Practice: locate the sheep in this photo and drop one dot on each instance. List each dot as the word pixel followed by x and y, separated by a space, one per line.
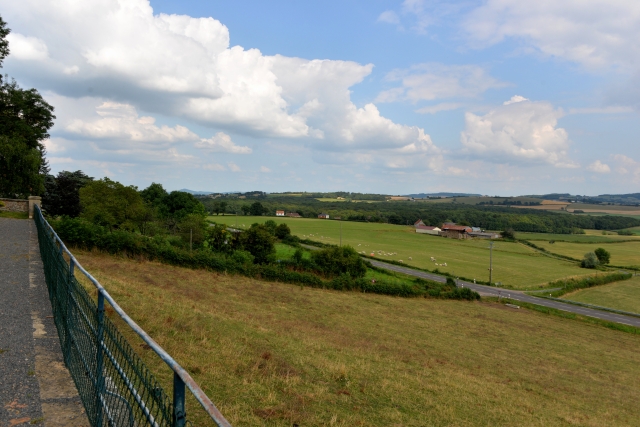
pixel 445 264
pixel 433 259
pixel 400 260
pixel 410 259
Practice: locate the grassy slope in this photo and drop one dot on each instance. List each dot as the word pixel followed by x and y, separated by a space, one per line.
pixel 14 215
pixel 627 253
pixel 273 354
pixel 623 296
pixel 514 265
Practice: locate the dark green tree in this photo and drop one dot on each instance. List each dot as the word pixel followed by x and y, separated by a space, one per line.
pixel 604 257
pixel 260 243
pixel 25 120
pixel 257 209
pixel 179 204
pixel 62 193
pixel 154 194
pixel 282 231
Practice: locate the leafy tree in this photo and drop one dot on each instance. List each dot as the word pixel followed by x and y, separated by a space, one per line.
pixel 257 209
pixel 25 120
pixel 271 225
pixel 604 257
pixel 282 231
pixel 590 260
pixel 246 209
pixel 219 207
pixel 192 228
pixel 62 193
pixel 219 239
pixel 178 204
pixel 260 243
pixel 154 194
pixel 110 204
pixel 334 261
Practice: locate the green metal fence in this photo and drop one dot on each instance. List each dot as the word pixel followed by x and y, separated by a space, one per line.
pixel 114 384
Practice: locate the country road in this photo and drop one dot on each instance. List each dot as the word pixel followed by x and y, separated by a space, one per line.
pixel 515 295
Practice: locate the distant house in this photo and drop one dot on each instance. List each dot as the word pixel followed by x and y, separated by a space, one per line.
pixel 279 213
pixel 294 215
pixel 455 231
pixel 323 216
pixel 426 229
pixel 476 229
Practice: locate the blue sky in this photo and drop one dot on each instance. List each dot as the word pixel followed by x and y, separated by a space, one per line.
pixel 491 97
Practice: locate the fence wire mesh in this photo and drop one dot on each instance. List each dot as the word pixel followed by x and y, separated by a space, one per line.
pixel 114 384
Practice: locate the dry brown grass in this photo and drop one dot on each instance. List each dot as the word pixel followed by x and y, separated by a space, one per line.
pixel 277 355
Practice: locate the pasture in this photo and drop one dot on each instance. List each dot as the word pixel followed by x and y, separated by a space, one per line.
pixel 514 265
pixel 271 354
pixel 622 253
pixel 623 295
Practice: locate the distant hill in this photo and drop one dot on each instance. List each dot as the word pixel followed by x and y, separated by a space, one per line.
pixel 623 199
pixel 197 193
pixel 425 195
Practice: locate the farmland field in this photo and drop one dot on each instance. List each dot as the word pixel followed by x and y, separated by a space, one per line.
pixel 591 236
pixel 623 253
pixel 514 265
pixel 273 354
pixel 623 295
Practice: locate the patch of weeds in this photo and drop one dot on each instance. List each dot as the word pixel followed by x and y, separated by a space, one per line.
pixel 37 420
pixel 3 350
pixel 31 372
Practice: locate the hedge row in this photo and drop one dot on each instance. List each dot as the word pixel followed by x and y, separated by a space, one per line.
pixel 570 285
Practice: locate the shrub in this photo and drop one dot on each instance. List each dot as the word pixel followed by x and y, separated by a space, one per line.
pixel 508 234
pixel 464 293
pixel 260 243
pixel 590 260
pixel 603 256
pixel 282 231
pixel 271 226
pixel 334 261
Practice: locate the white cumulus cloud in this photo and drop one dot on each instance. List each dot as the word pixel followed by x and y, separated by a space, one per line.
pixel 121 122
pixel 521 131
pixel 221 142
pixel 27 48
pixel 599 167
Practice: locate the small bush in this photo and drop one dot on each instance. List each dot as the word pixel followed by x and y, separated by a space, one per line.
pixel 334 261
pixel 282 231
pixel 590 260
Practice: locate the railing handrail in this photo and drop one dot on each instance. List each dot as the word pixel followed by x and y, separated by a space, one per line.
pixel 206 403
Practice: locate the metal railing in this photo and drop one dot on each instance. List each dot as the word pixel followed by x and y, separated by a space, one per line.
pixel 114 384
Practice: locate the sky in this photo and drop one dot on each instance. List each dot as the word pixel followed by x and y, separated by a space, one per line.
pixel 497 97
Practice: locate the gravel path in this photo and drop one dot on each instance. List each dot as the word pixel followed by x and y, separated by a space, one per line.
pixel 35 387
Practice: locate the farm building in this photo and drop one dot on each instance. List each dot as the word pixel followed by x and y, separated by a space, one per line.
pixel 483 235
pixel 426 229
pixel 323 216
pixel 279 213
pixel 294 215
pixel 455 231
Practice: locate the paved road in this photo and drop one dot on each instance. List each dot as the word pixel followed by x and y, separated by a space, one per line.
pixel 35 386
pixel 516 295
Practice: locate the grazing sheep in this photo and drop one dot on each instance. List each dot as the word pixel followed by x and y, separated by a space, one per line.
pixel 410 259
pixel 445 264
pixel 400 260
pixel 433 259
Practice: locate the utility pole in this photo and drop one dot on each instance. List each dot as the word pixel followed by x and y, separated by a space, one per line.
pixel 490 262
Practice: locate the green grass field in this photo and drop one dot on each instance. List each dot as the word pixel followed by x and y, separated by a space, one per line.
pixel 591 236
pixel 14 215
pixel 514 265
pixel 623 253
pixel 623 296
pixel 272 354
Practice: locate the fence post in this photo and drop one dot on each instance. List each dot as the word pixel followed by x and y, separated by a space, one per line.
pixel 179 412
pixel 99 361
